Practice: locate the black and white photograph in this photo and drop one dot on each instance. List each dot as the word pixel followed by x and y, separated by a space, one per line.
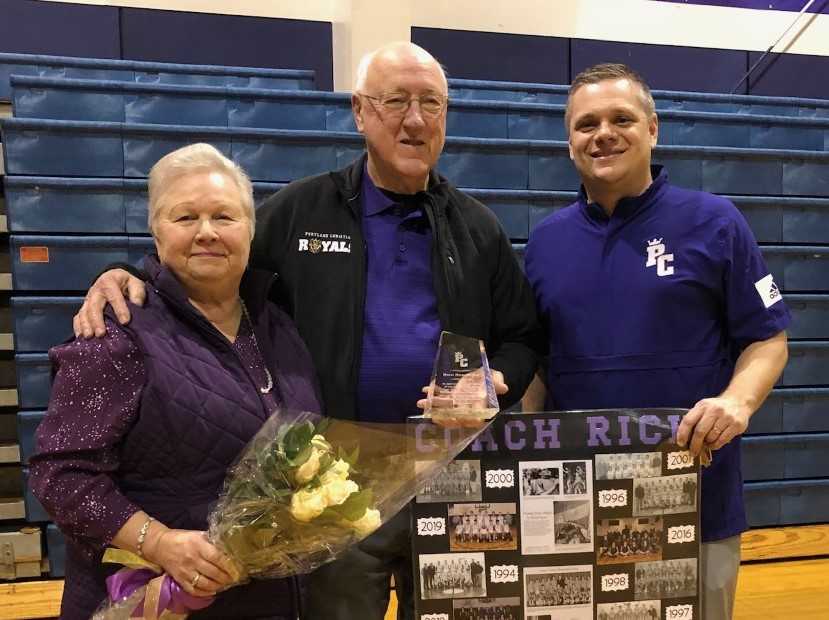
pixel 665 495
pixel 573 523
pixel 628 466
pixel 666 579
pixel 540 481
pixel 508 608
pixel 620 541
pixel 483 527
pixel 629 610
pixel 459 482
pixel 452 575
pixel 560 591
pixel 574 474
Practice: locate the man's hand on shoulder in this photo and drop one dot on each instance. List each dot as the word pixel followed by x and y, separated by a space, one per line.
pixel 109 288
pixel 713 422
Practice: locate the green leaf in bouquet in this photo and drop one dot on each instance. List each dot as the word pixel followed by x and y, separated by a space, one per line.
pixel 297 438
pixel 322 426
pixel 301 458
pixel 326 461
pixel 355 506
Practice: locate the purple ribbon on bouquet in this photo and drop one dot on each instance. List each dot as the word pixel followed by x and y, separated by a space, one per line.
pixel 163 593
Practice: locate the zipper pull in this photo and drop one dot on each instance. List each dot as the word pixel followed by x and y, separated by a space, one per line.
pixel 451 260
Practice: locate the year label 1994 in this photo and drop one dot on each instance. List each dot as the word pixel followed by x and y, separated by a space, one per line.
pixel 615 582
pixel 500 479
pixel 685 612
pixel 680 460
pixel 431 526
pixel 503 573
pixel 613 498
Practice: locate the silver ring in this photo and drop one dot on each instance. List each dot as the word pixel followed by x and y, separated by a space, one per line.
pixel 195 579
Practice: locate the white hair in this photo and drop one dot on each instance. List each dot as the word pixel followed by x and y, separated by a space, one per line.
pixel 390 49
pixel 199 157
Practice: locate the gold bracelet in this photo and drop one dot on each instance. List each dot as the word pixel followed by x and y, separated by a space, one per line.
pixel 142 534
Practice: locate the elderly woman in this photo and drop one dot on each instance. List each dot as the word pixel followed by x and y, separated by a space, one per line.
pixel 143 424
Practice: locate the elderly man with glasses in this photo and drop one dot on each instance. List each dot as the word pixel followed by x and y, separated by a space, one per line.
pixel 373 262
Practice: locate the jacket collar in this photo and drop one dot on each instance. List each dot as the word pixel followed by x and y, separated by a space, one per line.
pixel 349 183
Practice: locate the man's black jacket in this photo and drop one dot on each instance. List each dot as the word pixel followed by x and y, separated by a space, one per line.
pixel 310 234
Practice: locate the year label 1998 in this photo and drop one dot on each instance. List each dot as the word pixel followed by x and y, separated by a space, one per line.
pixel 615 582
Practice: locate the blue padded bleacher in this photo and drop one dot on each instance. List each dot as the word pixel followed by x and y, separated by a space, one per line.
pixel 34 379
pixel 152 72
pixel 80 148
pixel 785 457
pixel 786 502
pixel 27 423
pixel 117 206
pixel 77 190
pixel 71 261
pixel 90 100
pixel 800 410
pixel 664 99
pixel 56 551
pixel 42 322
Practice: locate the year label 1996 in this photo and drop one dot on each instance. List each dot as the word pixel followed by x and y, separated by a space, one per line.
pixel 613 498
pixel 500 479
pixel 615 582
pixel 685 612
pixel 680 460
pixel 504 573
pixel 680 534
pixel 431 526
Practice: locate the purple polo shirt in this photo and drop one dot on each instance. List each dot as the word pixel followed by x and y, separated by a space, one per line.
pixel 650 308
pixel 401 326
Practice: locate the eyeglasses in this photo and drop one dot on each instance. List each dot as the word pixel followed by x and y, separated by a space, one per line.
pixel 431 104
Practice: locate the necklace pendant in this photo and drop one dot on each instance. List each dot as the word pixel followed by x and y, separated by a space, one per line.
pixel 266 390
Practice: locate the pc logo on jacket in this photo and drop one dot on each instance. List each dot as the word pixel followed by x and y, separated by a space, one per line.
pixel 658 258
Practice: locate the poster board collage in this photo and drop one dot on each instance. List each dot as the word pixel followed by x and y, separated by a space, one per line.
pixel 562 516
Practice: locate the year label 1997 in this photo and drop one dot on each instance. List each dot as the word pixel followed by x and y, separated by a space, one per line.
pixel 500 479
pixel 503 573
pixel 613 498
pixel 680 460
pixel 431 526
pixel 615 582
pixel 683 612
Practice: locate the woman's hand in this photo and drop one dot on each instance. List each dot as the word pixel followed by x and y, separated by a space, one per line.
pixel 186 555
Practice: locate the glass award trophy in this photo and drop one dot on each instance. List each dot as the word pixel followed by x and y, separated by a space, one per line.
pixel 461 385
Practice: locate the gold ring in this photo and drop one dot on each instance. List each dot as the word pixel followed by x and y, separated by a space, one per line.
pixel 195 579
